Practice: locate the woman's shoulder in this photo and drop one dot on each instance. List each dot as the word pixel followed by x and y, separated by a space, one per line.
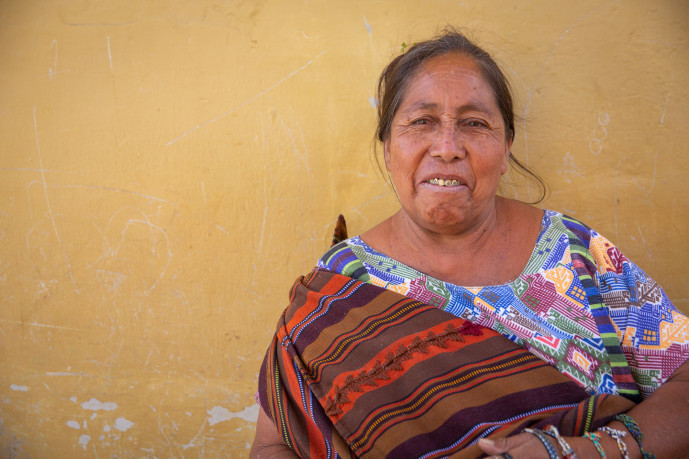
pixel 342 259
pixel 586 246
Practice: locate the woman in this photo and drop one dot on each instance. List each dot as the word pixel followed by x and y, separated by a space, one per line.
pixel 468 323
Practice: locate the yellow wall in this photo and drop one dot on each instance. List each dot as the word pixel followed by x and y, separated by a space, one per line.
pixel 168 168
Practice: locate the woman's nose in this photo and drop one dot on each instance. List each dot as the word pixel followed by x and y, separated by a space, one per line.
pixel 448 144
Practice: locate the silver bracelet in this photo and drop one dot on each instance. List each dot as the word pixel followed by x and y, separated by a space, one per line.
pixel 567 450
pixel 618 435
pixel 552 451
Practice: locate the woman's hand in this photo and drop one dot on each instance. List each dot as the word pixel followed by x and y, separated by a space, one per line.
pixel 526 445
pixel 523 445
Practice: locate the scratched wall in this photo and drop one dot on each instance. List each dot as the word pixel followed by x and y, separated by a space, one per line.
pixel 168 168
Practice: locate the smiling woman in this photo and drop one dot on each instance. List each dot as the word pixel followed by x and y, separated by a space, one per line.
pixel 447 128
pixel 468 323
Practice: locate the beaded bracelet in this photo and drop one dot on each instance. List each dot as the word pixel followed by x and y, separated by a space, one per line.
pixel 635 430
pixel 595 438
pixel 618 435
pixel 552 451
pixel 567 451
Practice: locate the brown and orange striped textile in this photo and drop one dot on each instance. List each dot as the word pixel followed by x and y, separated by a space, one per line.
pixel 355 370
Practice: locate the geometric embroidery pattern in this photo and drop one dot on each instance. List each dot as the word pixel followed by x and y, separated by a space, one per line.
pixel 546 309
pixel 582 361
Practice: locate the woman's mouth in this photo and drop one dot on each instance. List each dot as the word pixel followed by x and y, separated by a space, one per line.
pixel 442 182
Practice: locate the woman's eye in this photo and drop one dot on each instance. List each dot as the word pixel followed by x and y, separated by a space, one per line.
pixel 420 121
pixel 475 123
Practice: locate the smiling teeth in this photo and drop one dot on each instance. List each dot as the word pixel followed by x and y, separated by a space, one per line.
pixel 442 182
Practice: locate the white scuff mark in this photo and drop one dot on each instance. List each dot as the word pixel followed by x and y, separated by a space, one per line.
pixel 569 168
pixel 643 240
pixel 84 440
pixel 123 424
pixel 106 428
pixel 73 399
pixel 615 201
pixel 662 117
pixel 47 200
pixel 96 405
pixel 34 324
pixel 167 241
pixel 110 279
pixel 653 179
pixel 109 54
pixel 19 388
pixel 263 228
pixel 369 29
pixel 373 101
pixel 114 190
pixel 73 425
pixel 247 101
pixel 203 190
pixel 65 373
pixel 94 416
pixel 222 229
pixel 52 71
pixel 192 443
pixel 220 414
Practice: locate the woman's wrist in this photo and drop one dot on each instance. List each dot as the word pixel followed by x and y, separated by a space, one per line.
pixel 584 447
pixel 632 446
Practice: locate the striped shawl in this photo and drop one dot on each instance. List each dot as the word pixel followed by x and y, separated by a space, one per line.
pixel 355 370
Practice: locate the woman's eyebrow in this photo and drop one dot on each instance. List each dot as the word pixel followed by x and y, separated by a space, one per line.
pixel 421 106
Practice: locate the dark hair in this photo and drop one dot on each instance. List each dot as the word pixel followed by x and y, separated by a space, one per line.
pixel 396 77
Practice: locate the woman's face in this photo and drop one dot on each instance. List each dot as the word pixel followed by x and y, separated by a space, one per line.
pixel 447 147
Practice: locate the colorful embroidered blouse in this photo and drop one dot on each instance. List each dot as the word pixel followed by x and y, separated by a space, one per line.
pixel 579 304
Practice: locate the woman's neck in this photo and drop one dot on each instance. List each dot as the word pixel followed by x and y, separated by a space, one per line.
pixel 492 251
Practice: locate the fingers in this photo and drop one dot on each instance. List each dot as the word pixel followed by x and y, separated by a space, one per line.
pixel 523 445
pixel 502 456
pixel 503 445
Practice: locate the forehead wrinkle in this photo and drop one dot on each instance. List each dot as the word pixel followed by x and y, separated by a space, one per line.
pixel 448 75
pixel 472 106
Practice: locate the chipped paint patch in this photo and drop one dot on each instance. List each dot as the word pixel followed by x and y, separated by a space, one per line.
pixel 73 425
pixel 19 388
pixel 220 414
pixel 122 424
pixel 84 440
pixel 96 405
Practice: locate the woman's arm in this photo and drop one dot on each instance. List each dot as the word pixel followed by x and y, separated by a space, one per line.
pixel 664 416
pixel 663 419
pixel 267 442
